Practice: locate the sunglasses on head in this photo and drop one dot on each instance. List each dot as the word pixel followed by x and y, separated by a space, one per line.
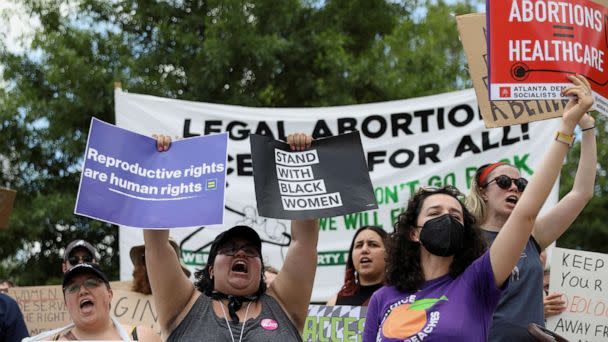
pixel 90 283
pixel 230 249
pixel 504 182
pixel 74 260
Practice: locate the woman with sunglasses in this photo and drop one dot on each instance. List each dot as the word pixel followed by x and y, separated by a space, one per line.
pixel 496 193
pixel 441 284
pixel 229 300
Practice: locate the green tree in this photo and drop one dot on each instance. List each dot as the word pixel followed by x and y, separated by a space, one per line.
pixel 590 229
pixel 253 53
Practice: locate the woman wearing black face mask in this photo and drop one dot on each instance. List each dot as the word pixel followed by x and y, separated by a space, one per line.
pixel 495 192
pixel 441 286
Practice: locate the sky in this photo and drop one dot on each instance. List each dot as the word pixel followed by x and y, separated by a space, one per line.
pixel 13 23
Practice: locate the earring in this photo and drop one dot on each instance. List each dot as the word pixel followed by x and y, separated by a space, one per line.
pixel 356 277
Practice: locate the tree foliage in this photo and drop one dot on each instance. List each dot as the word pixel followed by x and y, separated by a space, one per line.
pixel 590 230
pixel 253 53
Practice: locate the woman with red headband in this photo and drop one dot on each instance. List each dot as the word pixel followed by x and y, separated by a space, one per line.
pixel 494 195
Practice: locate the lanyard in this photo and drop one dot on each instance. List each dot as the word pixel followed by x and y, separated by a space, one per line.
pixel 228 324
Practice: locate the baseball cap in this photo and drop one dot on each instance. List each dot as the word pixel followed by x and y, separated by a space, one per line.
pixel 244 232
pixel 84 268
pixel 79 244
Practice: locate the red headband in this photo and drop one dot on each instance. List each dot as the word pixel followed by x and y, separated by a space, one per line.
pixel 487 170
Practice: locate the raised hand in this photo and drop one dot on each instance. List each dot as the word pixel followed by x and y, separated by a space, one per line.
pixel 581 99
pixel 163 142
pixel 299 141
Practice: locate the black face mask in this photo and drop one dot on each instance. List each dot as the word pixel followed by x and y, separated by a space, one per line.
pixel 442 236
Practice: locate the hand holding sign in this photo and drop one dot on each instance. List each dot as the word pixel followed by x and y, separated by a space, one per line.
pixel 580 95
pixel 299 141
pixel 126 181
pixel 310 183
pixel 554 304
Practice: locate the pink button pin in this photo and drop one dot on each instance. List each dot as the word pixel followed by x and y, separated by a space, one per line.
pixel 269 324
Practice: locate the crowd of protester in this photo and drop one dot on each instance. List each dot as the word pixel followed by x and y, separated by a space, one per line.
pixel 474 264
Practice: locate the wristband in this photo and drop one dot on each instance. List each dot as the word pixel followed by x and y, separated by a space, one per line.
pixel 586 129
pixel 567 139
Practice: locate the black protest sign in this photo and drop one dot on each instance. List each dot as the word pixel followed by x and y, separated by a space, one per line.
pixel 329 179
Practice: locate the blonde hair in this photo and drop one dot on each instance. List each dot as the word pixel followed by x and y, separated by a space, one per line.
pixel 475 203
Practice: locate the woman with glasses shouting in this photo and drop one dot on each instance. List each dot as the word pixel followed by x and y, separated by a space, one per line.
pixel 229 300
pixel 88 296
pixel 442 284
pixel 496 195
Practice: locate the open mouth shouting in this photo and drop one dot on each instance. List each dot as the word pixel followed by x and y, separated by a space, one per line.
pixel 512 200
pixel 239 267
pixel 86 306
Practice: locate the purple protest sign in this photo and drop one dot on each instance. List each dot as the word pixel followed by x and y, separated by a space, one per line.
pixel 126 181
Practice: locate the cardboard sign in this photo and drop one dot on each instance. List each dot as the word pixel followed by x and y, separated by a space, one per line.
pixel 472 30
pixel 134 308
pixel 334 323
pixel 43 308
pixel 126 181
pixel 535 44
pixel 7 199
pixel 583 279
pixel 327 180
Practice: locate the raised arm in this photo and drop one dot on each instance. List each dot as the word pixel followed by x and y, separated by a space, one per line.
pixel 558 219
pixel 293 285
pixel 171 289
pixel 512 238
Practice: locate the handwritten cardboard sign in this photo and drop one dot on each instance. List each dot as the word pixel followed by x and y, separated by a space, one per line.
pixel 44 308
pixel 583 279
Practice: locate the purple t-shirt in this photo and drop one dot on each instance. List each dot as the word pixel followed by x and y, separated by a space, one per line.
pixel 444 309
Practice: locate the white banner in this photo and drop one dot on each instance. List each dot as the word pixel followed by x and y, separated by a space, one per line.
pixel 433 140
pixel 583 279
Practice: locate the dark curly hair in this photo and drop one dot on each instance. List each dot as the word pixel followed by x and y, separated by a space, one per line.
pixel 351 287
pixel 404 270
pixel 204 283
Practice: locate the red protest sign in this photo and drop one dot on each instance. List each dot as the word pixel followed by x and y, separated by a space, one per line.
pixel 534 44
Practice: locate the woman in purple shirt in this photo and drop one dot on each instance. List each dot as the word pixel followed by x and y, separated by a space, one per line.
pixel 440 285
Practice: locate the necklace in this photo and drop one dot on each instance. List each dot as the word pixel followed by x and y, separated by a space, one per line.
pixel 228 324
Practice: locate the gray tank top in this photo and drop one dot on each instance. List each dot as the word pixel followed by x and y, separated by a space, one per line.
pixel 202 324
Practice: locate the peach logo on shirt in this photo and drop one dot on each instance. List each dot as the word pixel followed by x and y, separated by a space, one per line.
pixel 410 319
pixel 269 324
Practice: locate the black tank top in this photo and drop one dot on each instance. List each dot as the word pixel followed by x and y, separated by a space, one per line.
pixel 359 298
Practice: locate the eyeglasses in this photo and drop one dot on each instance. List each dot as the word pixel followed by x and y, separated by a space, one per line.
pixel 74 260
pixel 504 182
pixel 91 283
pixel 230 249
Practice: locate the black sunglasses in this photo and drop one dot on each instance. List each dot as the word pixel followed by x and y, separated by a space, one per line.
pixel 74 260
pixel 504 182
